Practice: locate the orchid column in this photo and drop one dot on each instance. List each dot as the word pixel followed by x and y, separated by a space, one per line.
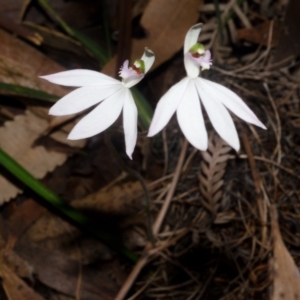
pixel 185 96
pixel 95 87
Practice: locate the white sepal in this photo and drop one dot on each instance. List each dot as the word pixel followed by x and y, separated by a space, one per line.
pixel 100 118
pixel 130 115
pixel 82 98
pixel 190 118
pixel 80 77
pixel 167 105
pixel 218 115
pixel 191 37
pixel 232 101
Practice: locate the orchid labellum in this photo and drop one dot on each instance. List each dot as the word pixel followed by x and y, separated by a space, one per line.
pixel 114 95
pixel 185 97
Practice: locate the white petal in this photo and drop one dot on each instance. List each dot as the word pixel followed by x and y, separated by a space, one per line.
pixel 167 105
pixel 190 118
pixel 82 98
pixel 100 118
pixel 192 69
pixel 148 58
pixel 130 115
pixel 218 115
pixel 130 82
pixel 191 37
pixel 79 78
pixel 232 101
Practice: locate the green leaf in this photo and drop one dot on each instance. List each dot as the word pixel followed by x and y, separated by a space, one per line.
pixel 27 92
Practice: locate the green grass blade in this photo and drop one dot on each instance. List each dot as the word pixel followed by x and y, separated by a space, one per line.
pixel 27 92
pixel 92 47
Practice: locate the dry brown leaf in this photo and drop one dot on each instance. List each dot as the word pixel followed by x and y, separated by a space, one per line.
pixel 55 234
pixel 21 219
pixel 260 34
pixel 57 271
pixel 120 202
pixel 115 199
pixel 11 8
pixel 60 297
pixel 286 285
pixel 16 264
pixel 139 7
pixel 16 138
pixel 117 205
pixel 212 170
pixel 166 24
pixel 15 288
pixel 21 64
pixel 49 227
pixel 12 267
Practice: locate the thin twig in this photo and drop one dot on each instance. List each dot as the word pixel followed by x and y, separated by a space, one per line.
pixel 259 198
pixel 278 127
pixel 290 171
pixel 164 209
pixel 132 277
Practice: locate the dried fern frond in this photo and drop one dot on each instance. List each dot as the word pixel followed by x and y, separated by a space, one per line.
pixel 213 168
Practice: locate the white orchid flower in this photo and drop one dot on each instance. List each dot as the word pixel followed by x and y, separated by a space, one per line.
pixel 185 96
pixel 95 87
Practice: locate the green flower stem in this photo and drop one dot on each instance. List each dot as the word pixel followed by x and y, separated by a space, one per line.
pixel 144 109
pixel 57 203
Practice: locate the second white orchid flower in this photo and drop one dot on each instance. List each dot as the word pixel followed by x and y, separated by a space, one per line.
pixel 95 87
pixel 184 97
